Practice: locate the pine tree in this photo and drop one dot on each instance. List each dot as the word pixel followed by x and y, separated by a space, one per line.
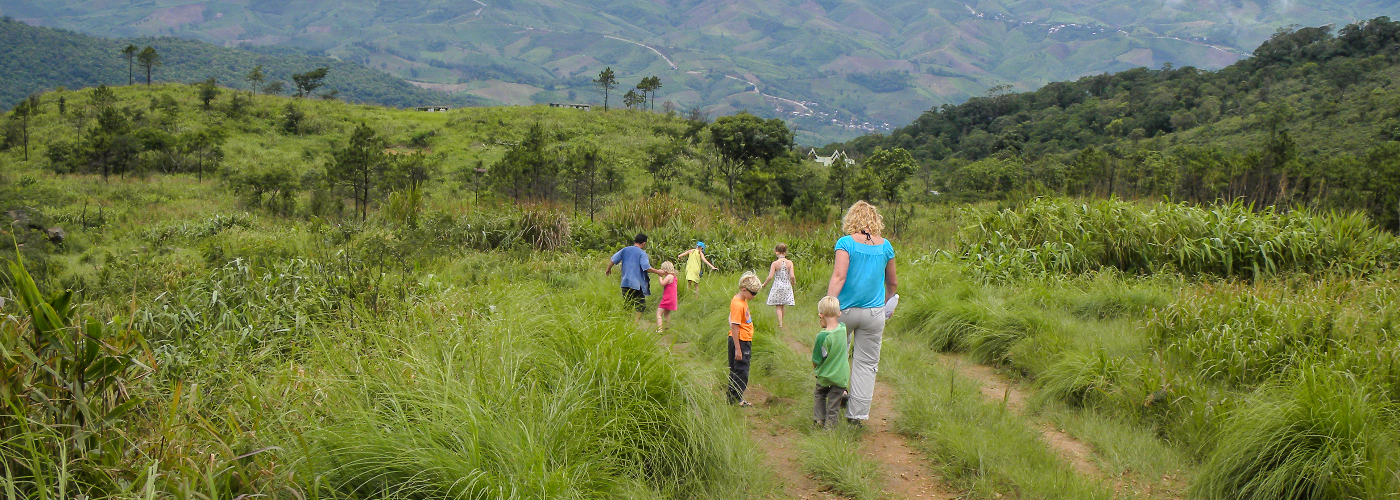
pixel 634 99
pixel 359 165
pixel 607 80
pixel 255 79
pixel 149 60
pixel 130 53
pixel 208 91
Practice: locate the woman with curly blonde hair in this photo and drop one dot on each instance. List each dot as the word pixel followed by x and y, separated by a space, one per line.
pixel 863 278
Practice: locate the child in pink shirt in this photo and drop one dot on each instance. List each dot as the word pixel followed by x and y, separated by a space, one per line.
pixel 669 280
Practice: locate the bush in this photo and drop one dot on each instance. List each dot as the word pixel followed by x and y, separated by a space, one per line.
pixel 1322 436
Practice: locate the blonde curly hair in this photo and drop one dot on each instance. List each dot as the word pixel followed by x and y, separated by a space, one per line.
pixel 862 216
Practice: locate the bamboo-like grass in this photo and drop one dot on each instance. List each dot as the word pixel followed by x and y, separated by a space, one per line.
pixel 1062 236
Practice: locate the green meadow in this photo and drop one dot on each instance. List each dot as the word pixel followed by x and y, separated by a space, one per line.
pixel 225 326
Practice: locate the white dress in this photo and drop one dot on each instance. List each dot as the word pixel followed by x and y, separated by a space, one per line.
pixel 781 293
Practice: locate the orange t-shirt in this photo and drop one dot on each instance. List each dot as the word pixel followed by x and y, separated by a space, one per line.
pixel 739 315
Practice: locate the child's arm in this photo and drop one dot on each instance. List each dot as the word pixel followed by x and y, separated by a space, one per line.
pixel 707 261
pixel 819 350
pixel 734 336
pixel 685 253
pixel 792 272
pixel 771 270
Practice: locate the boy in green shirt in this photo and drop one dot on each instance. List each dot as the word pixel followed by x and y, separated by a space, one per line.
pixel 830 362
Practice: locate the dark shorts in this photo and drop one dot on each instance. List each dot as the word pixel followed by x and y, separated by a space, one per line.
pixel 633 297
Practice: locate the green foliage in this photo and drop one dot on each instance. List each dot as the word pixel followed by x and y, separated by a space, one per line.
pixel 1060 236
pixel 893 167
pixel 529 170
pixel 37 59
pixel 67 388
pixel 360 166
pixel 882 81
pixel 607 80
pixel 981 446
pixel 803 56
pixel 309 81
pixel 1323 435
pixel 149 59
pixel 208 91
pixel 1257 131
pixel 834 458
pixel 587 408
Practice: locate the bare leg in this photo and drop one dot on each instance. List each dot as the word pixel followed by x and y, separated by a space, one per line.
pixel 695 286
pixel 779 309
pixel 660 325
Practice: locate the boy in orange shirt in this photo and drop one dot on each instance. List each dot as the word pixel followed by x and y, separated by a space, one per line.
pixel 741 337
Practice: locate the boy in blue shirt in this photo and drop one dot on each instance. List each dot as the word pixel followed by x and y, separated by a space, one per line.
pixel 830 363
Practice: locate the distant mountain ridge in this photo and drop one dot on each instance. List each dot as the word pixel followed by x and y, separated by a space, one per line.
pixel 833 68
pixel 34 59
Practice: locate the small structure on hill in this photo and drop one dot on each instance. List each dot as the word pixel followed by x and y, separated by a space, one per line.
pixel 433 108
pixel 570 105
pixel 826 161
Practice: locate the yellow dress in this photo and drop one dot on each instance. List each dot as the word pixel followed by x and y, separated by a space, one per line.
pixel 692 267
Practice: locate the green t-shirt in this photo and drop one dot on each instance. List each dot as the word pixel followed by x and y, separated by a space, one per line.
pixel 830 355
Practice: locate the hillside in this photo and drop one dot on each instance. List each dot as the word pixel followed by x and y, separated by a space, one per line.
pixel 833 68
pixel 207 308
pixel 34 59
pixel 1312 119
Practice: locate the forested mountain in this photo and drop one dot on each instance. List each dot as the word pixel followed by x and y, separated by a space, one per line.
pixel 34 59
pixel 832 68
pixel 1313 119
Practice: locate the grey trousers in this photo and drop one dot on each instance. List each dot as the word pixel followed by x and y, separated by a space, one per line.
pixel 866 326
pixel 826 404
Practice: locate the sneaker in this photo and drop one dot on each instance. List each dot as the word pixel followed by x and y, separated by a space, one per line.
pixel 855 422
pixel 745 403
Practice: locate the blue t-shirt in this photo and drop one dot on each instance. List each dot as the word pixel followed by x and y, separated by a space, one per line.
pixel 865 278
pixel 634 263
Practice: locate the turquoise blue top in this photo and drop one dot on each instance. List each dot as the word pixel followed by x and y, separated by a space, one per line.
pixel 865 278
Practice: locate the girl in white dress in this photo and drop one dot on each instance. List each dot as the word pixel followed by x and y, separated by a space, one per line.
pixel 781 275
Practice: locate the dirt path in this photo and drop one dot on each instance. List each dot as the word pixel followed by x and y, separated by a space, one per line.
pixel 1078 454
pixel 997 388
pixel 907 474
pixel 779 445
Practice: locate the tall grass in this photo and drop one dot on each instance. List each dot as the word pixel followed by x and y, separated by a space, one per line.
pixel 1061 236
pixel 1284 387
pixel 983 446
pixel 833 457
pixel 539 399
pixel 1319 435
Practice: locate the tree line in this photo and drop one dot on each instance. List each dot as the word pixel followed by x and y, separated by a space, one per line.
pixel 1312 119
pixel 35 59
pixel 642 96
pixel 748 162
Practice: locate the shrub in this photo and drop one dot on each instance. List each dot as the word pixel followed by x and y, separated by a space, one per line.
pixel 66 388
pixel 1323 436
